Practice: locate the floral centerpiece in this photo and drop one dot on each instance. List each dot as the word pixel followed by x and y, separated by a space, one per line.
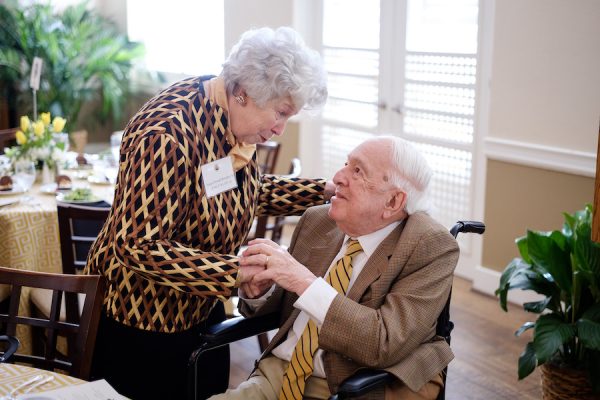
pixel 41 141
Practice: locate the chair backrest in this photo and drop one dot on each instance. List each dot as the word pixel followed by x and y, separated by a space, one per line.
pixel 274 225
pixel 78 227
pixel 92 286
pixel 266 156
pixel 8 137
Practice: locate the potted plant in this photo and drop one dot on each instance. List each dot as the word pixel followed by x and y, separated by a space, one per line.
pixel 84 59
pixel 564 267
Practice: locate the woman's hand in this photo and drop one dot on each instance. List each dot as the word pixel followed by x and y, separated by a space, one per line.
pixel 281 267
pixel 329 190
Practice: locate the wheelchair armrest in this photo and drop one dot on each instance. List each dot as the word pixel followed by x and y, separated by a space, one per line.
pixel 13 345
pixel 468 227
pixel 362 382
pixel 232 330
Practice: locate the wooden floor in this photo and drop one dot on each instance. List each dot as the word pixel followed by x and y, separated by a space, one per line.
pixel 486 350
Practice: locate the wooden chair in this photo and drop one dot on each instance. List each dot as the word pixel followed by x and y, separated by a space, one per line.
pixel 272 227
pixel 266 156
pixel 363 380
pixel 8 137
pixel 78 227
pixel 92 286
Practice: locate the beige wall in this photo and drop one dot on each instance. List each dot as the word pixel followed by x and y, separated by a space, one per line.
pixel 518 198
pixel 241 15
pixel 544 91
pixel 545 85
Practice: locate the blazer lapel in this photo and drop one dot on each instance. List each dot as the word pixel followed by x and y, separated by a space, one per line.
pixel 318 262
pixel 376 264
pixel 321 256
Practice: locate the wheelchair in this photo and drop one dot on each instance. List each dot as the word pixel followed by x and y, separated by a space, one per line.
pixel 362 381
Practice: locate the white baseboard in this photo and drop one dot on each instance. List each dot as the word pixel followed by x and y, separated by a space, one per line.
pixel 486 281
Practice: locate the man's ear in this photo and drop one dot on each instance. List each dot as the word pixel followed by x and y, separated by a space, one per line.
pixel 395 203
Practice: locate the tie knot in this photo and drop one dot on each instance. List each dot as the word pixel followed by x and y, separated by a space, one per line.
pixel 353 247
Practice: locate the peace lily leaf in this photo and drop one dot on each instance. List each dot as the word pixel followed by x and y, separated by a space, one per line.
pixel 589 333
pixel 537 306
pixel 560 240
pixel 593 313
pixel 522 246
pixel 587 253
pixel 526 326
pixel 550 333
pixel 527 361
pixel 546 253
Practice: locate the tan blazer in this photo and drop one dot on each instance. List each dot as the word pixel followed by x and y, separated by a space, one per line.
pixel 388 319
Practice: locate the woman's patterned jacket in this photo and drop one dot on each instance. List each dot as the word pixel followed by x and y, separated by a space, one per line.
pixel 166 250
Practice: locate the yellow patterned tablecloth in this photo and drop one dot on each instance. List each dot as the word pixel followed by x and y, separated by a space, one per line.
pixel 12 376
pixel 29 240
pixel 29 234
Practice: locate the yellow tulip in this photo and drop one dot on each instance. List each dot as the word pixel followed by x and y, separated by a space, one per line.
pixel 24 123
pixel 21 138
pixel 46 118
pixel 38 128
pixel 59 124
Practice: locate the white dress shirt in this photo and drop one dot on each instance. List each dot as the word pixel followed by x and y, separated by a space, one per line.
pixel 314 303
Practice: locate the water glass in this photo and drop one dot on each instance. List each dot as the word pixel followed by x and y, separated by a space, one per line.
pixel 63 138
pixel 115 145
pixel 24 174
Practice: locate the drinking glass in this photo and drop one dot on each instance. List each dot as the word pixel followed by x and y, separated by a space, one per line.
pixel 24 174
pixel 115 145
pixel 63 138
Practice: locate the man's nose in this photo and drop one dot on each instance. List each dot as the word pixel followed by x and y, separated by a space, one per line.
pixel 339 177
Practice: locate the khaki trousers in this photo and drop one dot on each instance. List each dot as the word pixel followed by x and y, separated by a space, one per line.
pixel 266 381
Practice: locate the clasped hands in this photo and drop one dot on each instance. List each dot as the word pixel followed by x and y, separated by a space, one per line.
pixel 265 262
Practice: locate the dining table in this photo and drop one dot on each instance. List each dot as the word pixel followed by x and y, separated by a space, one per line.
pixel 29 237
pixel 14 375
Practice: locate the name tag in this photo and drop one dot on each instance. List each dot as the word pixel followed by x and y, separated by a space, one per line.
pixel 218 177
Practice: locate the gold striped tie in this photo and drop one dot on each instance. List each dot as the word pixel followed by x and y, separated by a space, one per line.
pixel 301 364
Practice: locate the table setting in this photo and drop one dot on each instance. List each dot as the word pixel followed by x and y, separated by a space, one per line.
pixel 29 236
pixel 19 382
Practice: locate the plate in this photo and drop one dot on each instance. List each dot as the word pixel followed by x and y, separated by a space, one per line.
pixel 51 188
pixel 99 180
pixel 15 190
pixel 48 188
pixel 92 200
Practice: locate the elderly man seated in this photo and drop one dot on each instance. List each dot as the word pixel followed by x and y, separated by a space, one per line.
pixel 362 285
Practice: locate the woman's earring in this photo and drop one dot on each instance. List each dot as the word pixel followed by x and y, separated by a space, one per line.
pixel 240 99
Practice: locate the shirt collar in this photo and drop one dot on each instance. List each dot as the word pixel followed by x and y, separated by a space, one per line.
pixel 371 241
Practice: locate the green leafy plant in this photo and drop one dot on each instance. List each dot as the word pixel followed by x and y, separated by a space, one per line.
pixel 84 56
pixel 564 267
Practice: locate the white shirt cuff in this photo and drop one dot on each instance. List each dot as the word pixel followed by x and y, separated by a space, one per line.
pixel 316 300
pixel 257 302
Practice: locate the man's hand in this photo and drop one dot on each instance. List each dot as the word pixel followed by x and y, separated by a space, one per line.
pixel 282 268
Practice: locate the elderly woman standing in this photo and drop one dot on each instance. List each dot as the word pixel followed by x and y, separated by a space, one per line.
pixel 187 192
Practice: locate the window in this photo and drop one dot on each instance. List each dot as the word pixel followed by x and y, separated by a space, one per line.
pixel 405 68
pixel 187 37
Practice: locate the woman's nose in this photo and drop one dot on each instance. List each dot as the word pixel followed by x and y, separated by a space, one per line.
pixel 278 128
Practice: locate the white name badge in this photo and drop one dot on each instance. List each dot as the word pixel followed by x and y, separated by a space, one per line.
pixel 218 176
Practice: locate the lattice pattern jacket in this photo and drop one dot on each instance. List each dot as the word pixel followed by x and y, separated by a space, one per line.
pixel 166 250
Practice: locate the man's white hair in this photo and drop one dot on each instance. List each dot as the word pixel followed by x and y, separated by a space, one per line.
pixel 410 173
